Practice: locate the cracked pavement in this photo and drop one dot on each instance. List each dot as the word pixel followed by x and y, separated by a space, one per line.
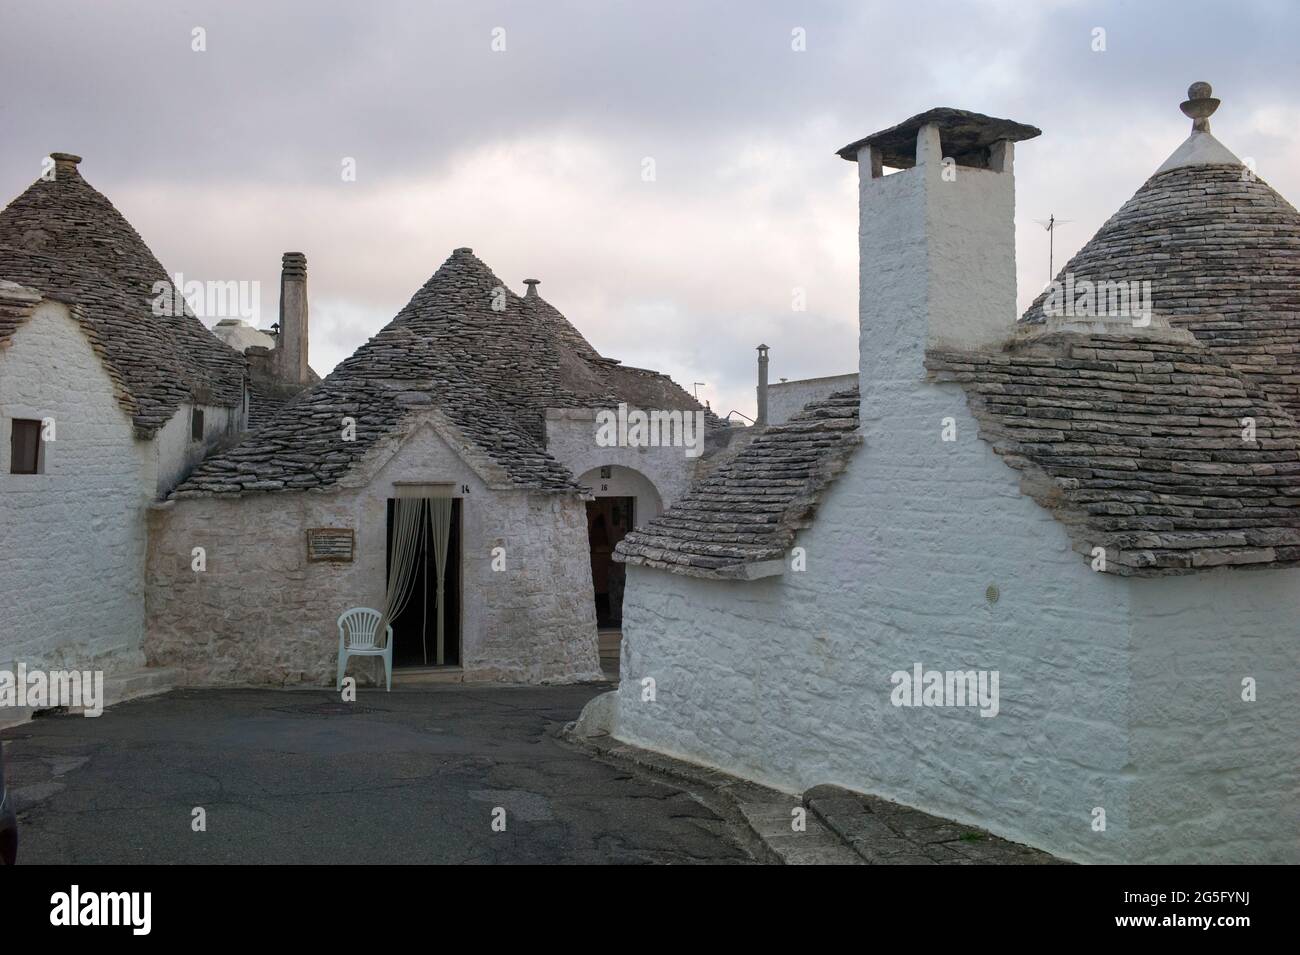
pixel 284 776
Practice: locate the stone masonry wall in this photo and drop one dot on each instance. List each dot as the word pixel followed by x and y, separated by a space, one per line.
pixel 72 540
pixel 263 614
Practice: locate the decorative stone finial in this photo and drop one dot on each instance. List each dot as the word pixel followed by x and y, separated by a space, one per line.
pixel 532 287
pixel 1199 105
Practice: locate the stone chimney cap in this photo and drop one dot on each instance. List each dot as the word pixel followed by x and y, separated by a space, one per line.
pixel 65 159
pixel 294 263
pixel 463 249
pixel 966 137
pixel 1199 105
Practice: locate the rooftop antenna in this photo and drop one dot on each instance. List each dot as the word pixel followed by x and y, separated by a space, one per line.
pixel 1050 224
pixel 697 385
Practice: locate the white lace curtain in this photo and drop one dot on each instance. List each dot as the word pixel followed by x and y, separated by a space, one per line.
pixel 421 526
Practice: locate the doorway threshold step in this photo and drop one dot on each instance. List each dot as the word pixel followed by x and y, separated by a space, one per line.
pixel 423 676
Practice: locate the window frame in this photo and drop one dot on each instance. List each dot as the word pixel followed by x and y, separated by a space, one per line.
pixel 39 463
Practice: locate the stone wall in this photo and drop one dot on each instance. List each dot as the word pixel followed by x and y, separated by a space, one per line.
pixel 262 614
pixel 72 540
pixel 787 680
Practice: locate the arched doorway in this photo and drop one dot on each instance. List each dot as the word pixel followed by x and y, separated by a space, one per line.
pixel 625 498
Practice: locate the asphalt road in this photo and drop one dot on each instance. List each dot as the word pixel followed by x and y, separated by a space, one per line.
pixel 289 776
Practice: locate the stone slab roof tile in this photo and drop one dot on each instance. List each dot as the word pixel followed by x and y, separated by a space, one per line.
pixel 1139 446
pixel 1221 250
pixel 747 511
pixel 67 241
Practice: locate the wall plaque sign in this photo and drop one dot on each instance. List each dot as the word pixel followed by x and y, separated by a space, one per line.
pixel 330 544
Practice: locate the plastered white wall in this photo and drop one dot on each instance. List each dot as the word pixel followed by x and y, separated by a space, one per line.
pixel 72 540
pixel 262 614
pixel 787 679
pixel 1217 777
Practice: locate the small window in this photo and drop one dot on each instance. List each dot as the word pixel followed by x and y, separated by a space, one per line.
pixel 196 425
pixel 25 447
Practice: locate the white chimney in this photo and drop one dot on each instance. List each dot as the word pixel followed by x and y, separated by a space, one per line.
pixel 937 240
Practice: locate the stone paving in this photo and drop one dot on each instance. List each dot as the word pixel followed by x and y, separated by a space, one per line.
pixel 839 827
pixel 296 776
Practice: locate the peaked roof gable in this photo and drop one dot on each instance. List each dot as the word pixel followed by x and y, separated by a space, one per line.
pixel 66 240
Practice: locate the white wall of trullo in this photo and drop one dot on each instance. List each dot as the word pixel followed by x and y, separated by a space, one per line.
pixel 1117 694
pixel 72 540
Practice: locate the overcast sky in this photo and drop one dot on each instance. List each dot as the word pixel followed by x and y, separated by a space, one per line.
pixel 225 158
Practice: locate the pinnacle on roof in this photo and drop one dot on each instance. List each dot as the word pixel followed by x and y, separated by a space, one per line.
pixel 1221 251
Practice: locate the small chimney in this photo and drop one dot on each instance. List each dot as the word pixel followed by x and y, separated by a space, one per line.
pixel 762 385
pixel 291 346
pixel 532 287
pixel 65 164
pixel 937 249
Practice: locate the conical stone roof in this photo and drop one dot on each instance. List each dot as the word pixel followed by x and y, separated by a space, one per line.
pixel 1221 250
pixel 65 239
pixel 492 361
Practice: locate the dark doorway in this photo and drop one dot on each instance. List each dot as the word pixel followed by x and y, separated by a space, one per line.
pixel 608 521
pixel 415 629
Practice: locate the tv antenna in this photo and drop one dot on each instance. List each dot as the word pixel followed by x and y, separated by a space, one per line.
pixel 1050 224
pixel 697 388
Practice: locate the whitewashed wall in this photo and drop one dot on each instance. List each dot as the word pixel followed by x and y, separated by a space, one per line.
pixel 72 540
pixel 262 614
pixel 1217 776
pixel 787 679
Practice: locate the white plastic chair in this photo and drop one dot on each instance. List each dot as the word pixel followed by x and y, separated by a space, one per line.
pixel 357 631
